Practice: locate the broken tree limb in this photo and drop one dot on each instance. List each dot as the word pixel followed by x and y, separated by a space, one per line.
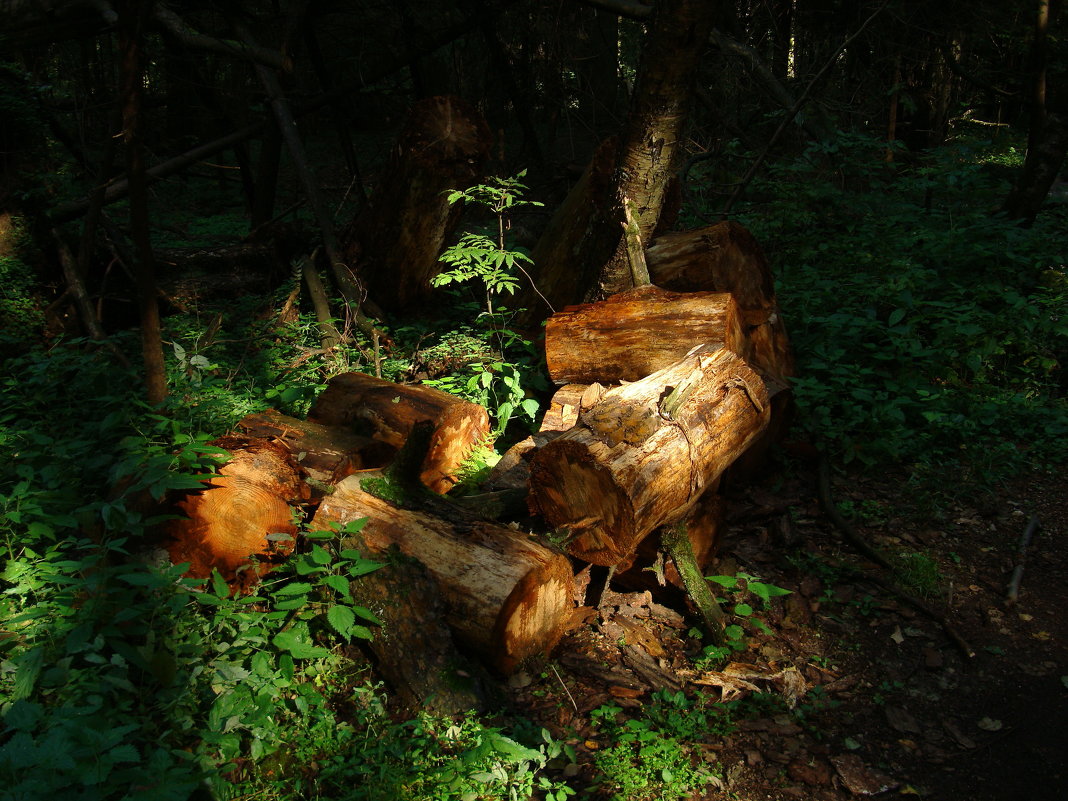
pixel 637 332
pixel 830 508
pixel 642 456
pixel 507 596
pixel 677 543
pixel 386 411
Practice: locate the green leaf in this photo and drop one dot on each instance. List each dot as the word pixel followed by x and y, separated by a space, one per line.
pixel 219 585
pixel 320 555
pixel 294 588
pixel 367 614
pixel 728 582
pixel 895 317
pixel 341 620
pixel 743 610
pixel 338 584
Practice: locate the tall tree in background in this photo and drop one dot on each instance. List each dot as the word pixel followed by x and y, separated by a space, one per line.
pixel 132 15
pixel 1047 139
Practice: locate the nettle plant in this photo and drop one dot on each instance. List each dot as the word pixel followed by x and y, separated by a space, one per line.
pixel 487 260
pixel 738 587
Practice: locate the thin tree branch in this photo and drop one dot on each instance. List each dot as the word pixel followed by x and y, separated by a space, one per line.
pixel 793 112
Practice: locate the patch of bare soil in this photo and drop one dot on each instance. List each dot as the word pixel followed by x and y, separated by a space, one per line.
pixel 869 696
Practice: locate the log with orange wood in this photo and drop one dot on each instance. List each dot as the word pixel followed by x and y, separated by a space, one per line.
pixel 644 454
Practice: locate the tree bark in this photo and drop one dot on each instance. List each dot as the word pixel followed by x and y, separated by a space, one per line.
pixel 635 333
pixel 327 453
pixel 131 39
pixel 413 650
pixel 580 225
pixel 646 452
pixel 726 258
pixel 386 411
pixel 399 238
pixel 507 597
pixel 676 38
pixel 226 525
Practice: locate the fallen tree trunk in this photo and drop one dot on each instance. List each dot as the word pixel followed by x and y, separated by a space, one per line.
pixel 646 452
pixel 727 258
pixel 413 649
pixel 507 597
pixel 637 332
pixel 228 522
pixel 386 411
pixel 327 453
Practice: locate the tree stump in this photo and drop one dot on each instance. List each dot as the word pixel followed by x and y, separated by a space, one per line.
pixel 397 241
pixel 646 452
pixel 228 522
pixel 363 404
pixel 507 597
pixel 637 332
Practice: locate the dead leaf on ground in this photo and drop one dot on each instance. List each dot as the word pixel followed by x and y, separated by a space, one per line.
pixel 858 778
pixel 901 720
pixel 738 678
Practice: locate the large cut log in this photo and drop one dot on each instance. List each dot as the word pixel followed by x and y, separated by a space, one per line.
pixel 413 649
pixel 725 257
pixel 226 525
pixel 507 597
pixel 386 411
pixel 646 452
pixel 327 453
pixel 650 567
pixel 637 332
pixel 397 241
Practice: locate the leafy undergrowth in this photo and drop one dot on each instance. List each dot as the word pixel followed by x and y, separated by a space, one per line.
pixel 929 336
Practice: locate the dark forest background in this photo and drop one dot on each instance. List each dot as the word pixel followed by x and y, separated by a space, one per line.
pixel 176 179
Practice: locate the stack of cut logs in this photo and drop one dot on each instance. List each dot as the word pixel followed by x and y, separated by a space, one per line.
pixel 662 389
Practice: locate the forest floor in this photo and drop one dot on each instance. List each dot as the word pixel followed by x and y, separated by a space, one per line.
pixel 890 705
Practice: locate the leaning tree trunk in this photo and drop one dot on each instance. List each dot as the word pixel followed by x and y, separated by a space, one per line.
pixel 670 58
pixel 582 255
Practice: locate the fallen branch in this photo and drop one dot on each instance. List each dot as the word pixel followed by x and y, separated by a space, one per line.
pixel 918 605
pixel 850 533
pixel 858 542
pixel 1021 557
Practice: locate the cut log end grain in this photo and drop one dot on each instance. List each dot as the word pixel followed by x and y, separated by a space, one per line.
pixel 226 525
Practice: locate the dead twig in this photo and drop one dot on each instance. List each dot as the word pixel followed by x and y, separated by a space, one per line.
pixel 1021 557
